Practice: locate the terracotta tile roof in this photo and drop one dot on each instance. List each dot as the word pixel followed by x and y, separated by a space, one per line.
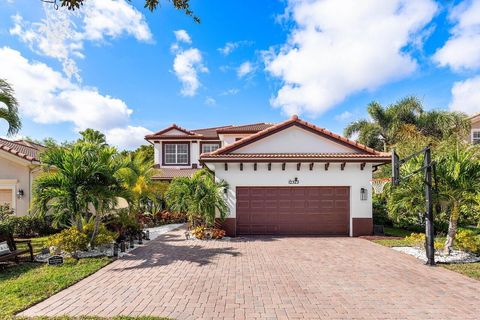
pixel 22 149
pixel 162 133
pixel 248 128
pixel 170 173
pixel 210 133
pixel 207 133
pixel 207 156
pixel 294 120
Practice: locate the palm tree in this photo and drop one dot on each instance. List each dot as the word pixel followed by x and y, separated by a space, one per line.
pixel 10 112
pixel 381 131
pixel 78 175
pixel 200 196
pixel 387 125
pixel 459 174
pixel 137 173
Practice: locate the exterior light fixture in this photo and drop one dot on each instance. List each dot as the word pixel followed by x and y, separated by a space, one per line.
pixel 363 194
pixel 140 237
pixel 122 246
pixel 147 235
pixel 20 194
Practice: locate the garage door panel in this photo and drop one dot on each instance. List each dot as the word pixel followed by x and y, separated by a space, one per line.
pixel 293 210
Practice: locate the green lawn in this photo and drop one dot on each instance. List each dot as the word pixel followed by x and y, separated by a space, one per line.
pixel 471 270
pixel 28 283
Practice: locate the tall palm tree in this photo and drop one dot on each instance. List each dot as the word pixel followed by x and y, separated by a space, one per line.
pixel 381 131
pixel 386 125
pixel 9 108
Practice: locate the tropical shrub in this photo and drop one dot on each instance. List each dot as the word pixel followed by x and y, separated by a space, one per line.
pixel 5 212
pixel 380 212
pixel 123 222
pixel 468 240
pixel 69 240
pixel 199 196
pixel 103 235
pixel 217 233
pixel 32 226
pixel 199 232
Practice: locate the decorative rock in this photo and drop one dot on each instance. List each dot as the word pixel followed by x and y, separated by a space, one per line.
pixel 456 256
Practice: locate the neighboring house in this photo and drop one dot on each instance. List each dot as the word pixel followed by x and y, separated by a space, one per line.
pixel 292 178
pixel 19 165
pixel 475 129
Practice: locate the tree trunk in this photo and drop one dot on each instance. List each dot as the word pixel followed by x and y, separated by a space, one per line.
pixel 96 224
pixel 452 228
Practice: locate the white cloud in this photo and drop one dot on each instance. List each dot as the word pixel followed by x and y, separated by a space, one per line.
pixel 346 115
pixel 245 69
pixel 186 65
pixel 209 101
pixel 230 92
pixel 47 97
pixel 229 47
pixel 466 96
pixel 127 138
pixel 182 36
pixel 62 33
pixel 462 50
pixel 338 48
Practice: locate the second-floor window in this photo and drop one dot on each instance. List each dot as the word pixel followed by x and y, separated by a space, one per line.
pixel 209 147
pixel 475 136
pixel 176 153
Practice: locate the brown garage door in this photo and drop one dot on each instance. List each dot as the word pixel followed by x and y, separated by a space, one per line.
pixel 293 210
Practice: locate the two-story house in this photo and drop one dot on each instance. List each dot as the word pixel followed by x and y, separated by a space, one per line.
pixel 177 150
pixel 286 178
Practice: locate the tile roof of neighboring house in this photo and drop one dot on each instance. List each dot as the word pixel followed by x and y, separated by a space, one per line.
pixel 294 120
pixel 475 117
pixel 170 173
pixel 22 149
pixel 207 133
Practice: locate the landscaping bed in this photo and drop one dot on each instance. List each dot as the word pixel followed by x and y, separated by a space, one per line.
pixel 401 240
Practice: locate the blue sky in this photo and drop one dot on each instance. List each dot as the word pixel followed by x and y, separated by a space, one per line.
pixel 126 71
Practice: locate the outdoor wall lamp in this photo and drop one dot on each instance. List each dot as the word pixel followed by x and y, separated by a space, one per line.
pixel 363 194
pixel 20 194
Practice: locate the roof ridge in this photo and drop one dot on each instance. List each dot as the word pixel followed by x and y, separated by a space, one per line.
pixel 294 119
pixel 219 127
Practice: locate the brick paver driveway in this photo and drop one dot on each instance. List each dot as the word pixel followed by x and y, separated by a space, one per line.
pixel 269 278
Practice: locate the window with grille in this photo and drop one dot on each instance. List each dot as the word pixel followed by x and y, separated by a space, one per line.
pixel 209 147
pixel 176 153
pixel 476 136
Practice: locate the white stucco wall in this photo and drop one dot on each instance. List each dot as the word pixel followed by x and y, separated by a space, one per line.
pixel 231 138
pixel 16 174
pixel 351 177
pixel 293 140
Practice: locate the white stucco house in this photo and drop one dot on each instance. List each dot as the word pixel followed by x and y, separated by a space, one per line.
pixel 290 178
